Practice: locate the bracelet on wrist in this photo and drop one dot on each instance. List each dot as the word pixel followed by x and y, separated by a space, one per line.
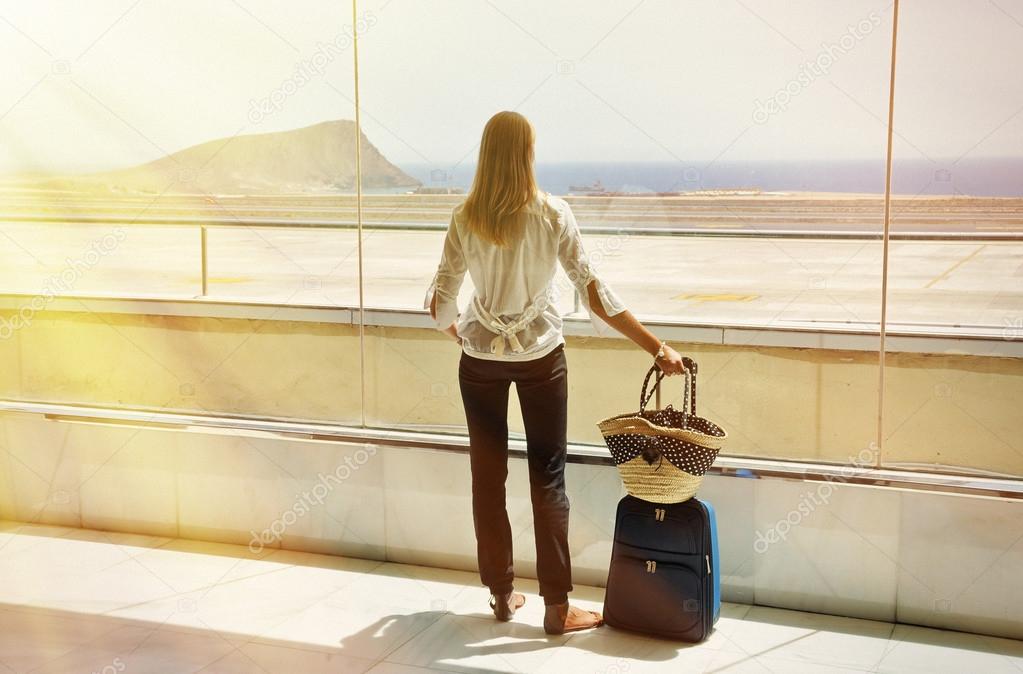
pixel 660 352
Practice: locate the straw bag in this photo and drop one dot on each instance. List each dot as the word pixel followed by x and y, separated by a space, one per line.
pixel 663 454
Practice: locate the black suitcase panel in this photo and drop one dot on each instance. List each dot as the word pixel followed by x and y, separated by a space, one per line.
pixel 642 530
pixel 661 594
pixel 660 578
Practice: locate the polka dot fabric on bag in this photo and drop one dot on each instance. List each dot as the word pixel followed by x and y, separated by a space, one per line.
pixel 662 455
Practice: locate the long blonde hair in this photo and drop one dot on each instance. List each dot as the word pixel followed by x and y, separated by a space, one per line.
pixel 504 182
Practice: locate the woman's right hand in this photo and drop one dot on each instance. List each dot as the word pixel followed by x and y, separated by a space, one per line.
pixel 671 362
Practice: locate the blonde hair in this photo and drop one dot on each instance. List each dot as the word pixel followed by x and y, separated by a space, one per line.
pixel 504 182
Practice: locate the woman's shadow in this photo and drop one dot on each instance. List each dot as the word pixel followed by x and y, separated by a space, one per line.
pixel 459 641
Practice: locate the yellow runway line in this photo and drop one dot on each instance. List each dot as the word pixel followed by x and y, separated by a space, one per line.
pixel 943 275
pixel 229 279
pixel 716 297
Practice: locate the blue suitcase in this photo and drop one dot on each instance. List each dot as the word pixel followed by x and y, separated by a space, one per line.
pixel 665 576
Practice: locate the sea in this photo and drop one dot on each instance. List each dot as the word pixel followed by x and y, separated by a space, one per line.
pixel 969 176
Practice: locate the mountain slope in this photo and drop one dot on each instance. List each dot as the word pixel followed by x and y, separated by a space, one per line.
pixel 314 159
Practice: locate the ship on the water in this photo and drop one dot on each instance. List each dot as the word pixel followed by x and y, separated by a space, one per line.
pixel 424 189
pixel 596 187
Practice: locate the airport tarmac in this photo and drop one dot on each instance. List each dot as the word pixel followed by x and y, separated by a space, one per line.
pixel 803 214
pixel 759 279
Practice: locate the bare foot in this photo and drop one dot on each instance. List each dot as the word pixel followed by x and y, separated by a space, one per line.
pixel 561 618
pixel 505 605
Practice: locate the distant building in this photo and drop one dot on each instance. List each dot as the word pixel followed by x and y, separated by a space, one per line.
pixel 422 189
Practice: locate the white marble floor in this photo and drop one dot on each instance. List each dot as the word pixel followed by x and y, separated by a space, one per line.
pixel 74 600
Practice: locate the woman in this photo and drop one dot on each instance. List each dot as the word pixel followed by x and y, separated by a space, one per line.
pixel 511 237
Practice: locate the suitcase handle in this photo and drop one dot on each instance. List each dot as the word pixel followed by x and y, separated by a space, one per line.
pixel 688 390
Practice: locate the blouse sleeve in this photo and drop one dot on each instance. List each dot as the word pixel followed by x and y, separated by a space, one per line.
pixel 448 279
pixel 580 272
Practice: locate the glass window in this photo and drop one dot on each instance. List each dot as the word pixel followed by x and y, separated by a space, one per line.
pixel 726 165
pixel 194 151
pixel 958 150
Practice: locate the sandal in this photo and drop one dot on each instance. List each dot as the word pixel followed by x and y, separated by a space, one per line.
pixel 505 605
pixel 557 619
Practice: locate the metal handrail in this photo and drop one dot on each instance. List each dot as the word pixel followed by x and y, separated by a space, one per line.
pixel 233 222
pixel 945 339
pixel 971 485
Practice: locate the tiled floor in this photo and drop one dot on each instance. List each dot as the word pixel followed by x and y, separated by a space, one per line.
pixel 73 600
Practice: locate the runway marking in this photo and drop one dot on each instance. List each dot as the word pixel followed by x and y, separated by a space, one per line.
pixel 943 275
pixel 718 297
pixel 228 279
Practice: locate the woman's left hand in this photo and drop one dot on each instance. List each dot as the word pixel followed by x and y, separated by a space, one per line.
pixel 671 363
pixel 452 331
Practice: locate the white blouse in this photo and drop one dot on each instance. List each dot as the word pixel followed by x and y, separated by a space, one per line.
pixel 513 314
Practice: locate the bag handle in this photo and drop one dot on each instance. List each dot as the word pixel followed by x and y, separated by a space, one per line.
pixel 644 398
pixel 688 391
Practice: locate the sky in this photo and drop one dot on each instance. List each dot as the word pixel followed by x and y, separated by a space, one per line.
pixel 112 83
